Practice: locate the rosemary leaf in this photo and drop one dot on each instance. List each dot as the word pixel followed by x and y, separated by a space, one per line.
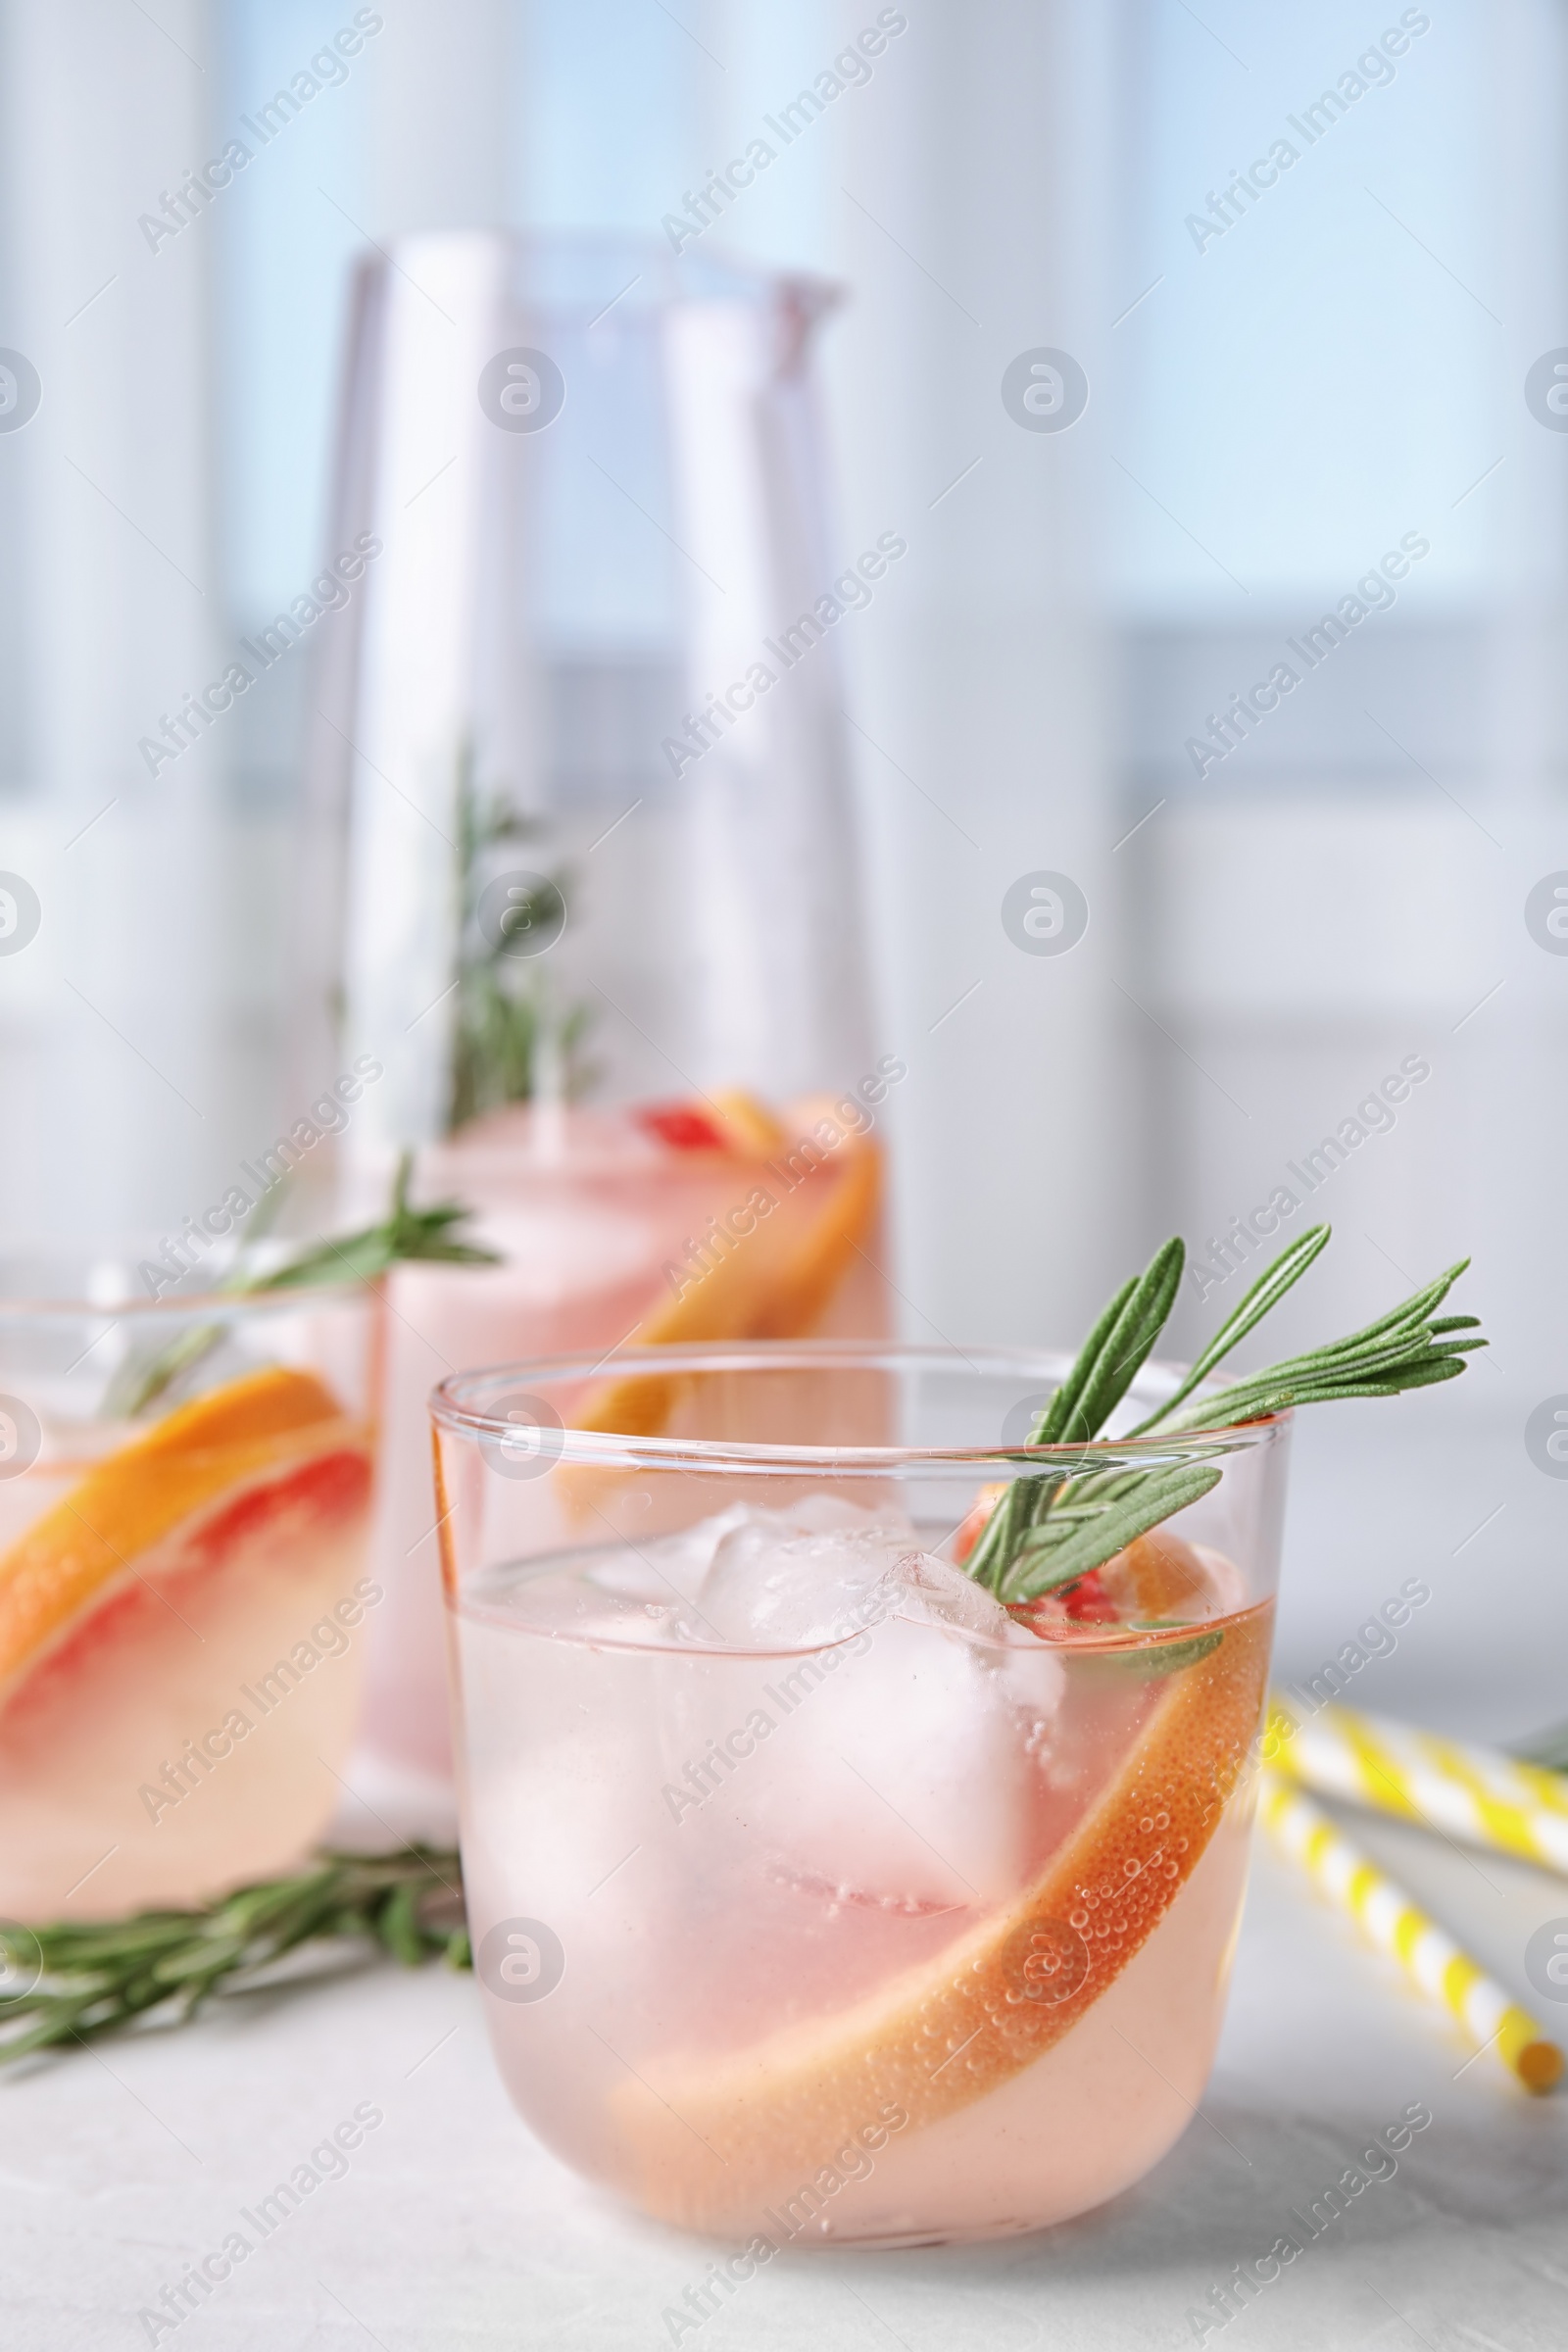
pixel 1044 1566
pixel 404 1234
pixel 1166 1657
pixel 1547 1749
pixel 81 1981
pixel 1266 1293
pixel 1027 1497
pixel 1105 1368
pixel 1129 1340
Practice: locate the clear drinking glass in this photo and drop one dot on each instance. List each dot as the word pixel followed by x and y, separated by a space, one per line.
pixel 814 1894
pixel 184 1493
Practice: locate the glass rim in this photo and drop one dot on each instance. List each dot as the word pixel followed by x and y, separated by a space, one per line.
pixel 452 1408
pixel 721 272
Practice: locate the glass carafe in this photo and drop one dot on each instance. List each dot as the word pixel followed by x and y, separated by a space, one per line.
pixel 582 875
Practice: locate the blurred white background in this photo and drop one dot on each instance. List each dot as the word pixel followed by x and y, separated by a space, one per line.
pixel 1341 368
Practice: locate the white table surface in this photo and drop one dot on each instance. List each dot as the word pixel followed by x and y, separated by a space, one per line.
pixel 453 2228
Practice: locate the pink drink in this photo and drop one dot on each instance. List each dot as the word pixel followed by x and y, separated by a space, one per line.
pixel 815 1896
pixel 179 1742
pixel 593 1215
pixel 183 1600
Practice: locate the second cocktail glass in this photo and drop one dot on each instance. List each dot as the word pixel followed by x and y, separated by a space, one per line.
pixel 185 1490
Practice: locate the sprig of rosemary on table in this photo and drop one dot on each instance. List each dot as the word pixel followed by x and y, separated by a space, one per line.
pixel 403 1234
pixel 1549 1748
pixel 81 1981
pixel 1049 1529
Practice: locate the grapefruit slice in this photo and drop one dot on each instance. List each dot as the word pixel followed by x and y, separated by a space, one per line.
pixel 200 1460
pixel 748 1126
pixel 174 1677
pixel 728 1121
pixel 711 2138
pixel 773 1280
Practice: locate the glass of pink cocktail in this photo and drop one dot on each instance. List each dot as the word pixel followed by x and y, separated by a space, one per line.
pixel 816 1894
pixel 185 1489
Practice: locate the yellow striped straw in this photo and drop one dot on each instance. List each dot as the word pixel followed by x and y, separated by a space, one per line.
pixel 1476 1793
pixel 1428 1953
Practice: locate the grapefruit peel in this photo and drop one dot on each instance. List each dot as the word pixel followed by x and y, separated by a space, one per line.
pixel 200 1460
pixel 717 2135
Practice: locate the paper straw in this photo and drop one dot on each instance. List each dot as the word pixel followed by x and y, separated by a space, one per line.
pixel 1425 1952
pixel 1472 1792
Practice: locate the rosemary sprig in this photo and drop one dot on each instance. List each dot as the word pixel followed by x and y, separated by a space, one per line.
pixel 1104 1369
pixel 404 1234
pixel 1547 1749
pixel 1051 1528
pixel 504 1019
pixel 84 1981
pixel 1056 1554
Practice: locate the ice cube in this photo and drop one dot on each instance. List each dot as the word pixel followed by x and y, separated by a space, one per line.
pixel 678 1564
pixel 929 1591
pixel 905 1778
pixel 890 1745
pixel 801 1577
